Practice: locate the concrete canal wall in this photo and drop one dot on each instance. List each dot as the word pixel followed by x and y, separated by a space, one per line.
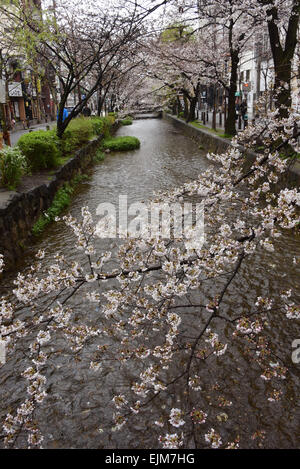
pixel 215 144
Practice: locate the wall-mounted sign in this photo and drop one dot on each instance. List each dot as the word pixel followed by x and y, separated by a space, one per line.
pixel 2 92
pixel 15 90
pixel 246 87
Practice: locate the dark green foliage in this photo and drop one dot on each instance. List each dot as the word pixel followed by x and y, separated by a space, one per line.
pixel 97 123
pixel 121 143
pixel 13 165
pixel 78 132
pixel 44 150
pixel 61 200
pixel 102 125
pixel 227 136
pixel 99 156
pixel 126 121
pixel 40 148
pixel 79 178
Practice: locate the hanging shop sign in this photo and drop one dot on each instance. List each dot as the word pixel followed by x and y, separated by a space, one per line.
pixel 15 90
pixel 2 92
pixel 38 85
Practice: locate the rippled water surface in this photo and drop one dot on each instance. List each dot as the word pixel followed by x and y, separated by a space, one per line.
pixel 76 407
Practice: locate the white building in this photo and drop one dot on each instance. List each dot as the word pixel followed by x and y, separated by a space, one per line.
pixel 256 73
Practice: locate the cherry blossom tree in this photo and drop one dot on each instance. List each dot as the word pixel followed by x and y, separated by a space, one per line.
pixel 178 63
pixel 166 316
pixel 238 24
pixel 165 321
pixel 225 28
pixel 283 21
pixel 81 44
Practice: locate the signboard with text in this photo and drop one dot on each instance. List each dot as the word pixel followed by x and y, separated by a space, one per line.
pixel 15 90
pixel 2 92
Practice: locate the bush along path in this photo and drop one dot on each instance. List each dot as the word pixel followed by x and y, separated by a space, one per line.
pixel 13 166
pixel 42 151
pixel 80 131
pixel 40 197
pixel 63 197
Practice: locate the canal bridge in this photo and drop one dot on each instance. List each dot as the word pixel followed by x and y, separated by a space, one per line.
pixel 145 113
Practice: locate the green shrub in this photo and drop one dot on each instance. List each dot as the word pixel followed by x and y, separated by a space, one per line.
pixel 97 123
pixel 126 121
pixel 99 156
pixel 226 136
pixel 13 165
pixel 79 178
pixel 78 132
pixel 102 125
pixel 62 199
pixel 41 149
pixel 109 120
pixel 121 143
pixel 113 114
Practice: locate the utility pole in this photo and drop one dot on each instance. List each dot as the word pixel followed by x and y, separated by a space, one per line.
pixel 259 52
pixel 2 101
pixel 214 117
pixel 4 127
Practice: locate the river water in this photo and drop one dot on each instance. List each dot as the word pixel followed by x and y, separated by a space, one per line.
pixel 76 407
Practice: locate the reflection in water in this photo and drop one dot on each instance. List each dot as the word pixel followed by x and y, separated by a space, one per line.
pixel 76 406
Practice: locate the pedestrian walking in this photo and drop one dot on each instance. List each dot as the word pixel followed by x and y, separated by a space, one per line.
pixel 65 114
pixel 86 111
pixel 244 113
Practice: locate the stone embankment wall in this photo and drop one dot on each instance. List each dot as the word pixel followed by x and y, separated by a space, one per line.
pixel 20 211
pixel 215 144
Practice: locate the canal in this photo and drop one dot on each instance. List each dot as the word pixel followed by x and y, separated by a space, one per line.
pixel 75 411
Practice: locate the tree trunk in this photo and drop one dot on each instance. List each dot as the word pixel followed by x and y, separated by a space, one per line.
pixel 231 112
pixel 283 98
pixel 186 107
pixel 282 57
pixel 179 107
pixel 100 105
pixel 192 110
